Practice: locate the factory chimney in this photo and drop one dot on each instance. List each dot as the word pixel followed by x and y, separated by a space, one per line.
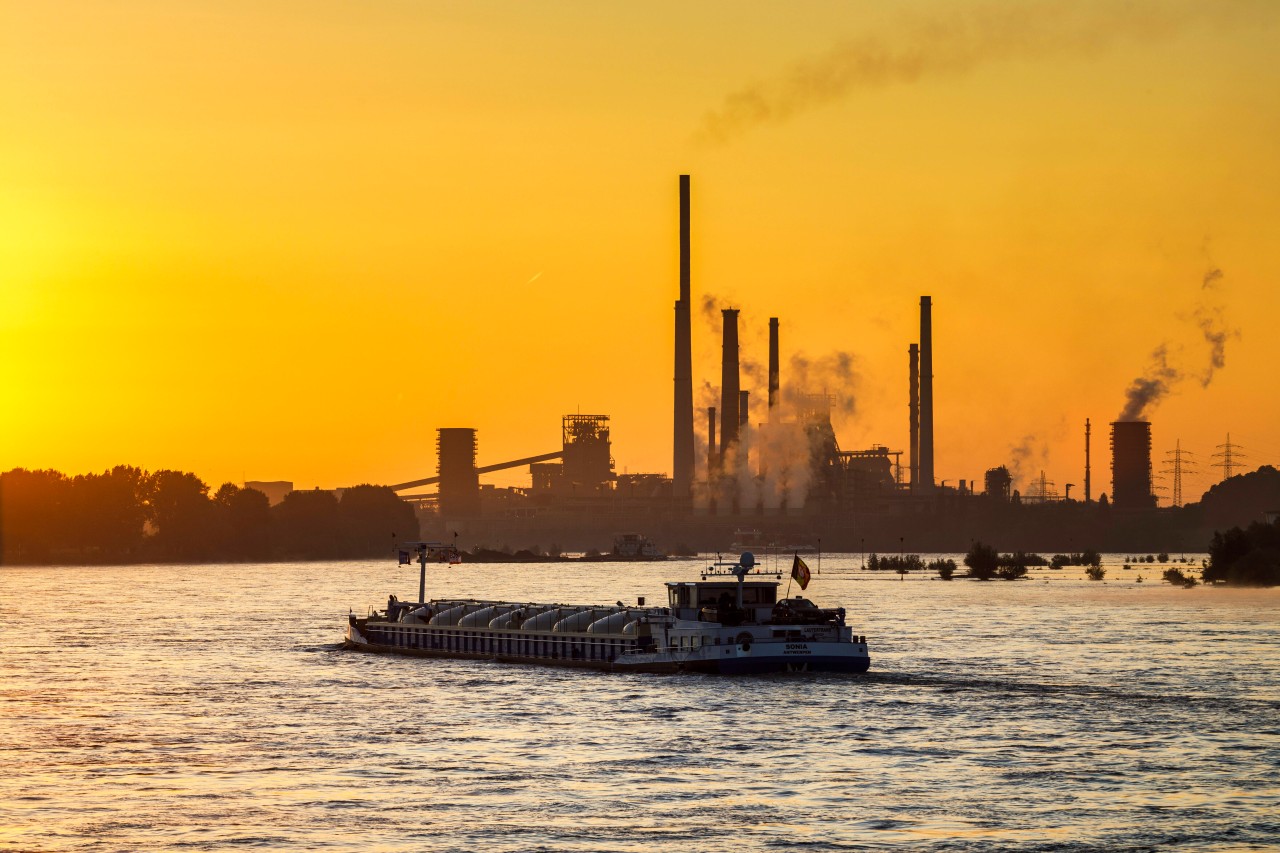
pixel 1086 461
pixel 926 394
pixel 743 396
pixel 730 400
pixel 773 366
pixel 682 449
pixel 713 460
pixel 913 406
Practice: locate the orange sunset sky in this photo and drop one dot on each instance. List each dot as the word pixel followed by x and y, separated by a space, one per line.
pixel 288 240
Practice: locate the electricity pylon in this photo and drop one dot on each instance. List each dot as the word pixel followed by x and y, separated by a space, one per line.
pixel 1181 461
pixel 1231 455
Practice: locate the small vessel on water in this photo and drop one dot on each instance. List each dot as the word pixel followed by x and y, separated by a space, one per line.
pixel 753 540
pixel 634 546
pixel 730 621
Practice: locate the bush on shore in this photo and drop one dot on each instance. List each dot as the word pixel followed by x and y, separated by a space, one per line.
pixel 1249 557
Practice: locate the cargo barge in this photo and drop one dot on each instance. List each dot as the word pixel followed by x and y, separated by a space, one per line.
pixel 730 621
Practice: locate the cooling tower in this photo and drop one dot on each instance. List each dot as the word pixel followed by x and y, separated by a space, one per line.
pixel 459 482
pixel 1131 465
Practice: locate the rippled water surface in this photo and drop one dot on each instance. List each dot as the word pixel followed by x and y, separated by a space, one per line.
pixel 209 707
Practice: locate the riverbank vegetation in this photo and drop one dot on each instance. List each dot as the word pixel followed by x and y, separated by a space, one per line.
pixel 1177 578
pixel 1245 557
pixel 902 564
pixel 1084 558
pixel 985 563
pixel 128 515
pixel 944 568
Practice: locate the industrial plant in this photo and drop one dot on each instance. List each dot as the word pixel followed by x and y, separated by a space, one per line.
pixel 777 471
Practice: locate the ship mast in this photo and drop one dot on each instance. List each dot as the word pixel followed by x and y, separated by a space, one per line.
pixel 746 565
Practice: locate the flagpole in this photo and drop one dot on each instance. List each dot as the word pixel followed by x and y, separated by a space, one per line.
pixel 819 555
pixel 422 574
pixel 790 576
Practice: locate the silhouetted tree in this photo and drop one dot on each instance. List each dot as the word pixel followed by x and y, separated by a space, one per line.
pixel 944 568
pixel 183 515
pixel 982 560
pixel 1249 557
pixel 1177 578
pixel 370 514
pixel 246 522
pixel 33 514
pixel 108 512
pixel 1011 572
pixel 308 525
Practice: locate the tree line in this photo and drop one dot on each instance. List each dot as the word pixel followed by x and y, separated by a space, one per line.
pixel 128 515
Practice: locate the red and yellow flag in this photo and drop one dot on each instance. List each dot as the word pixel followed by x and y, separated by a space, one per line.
pixel 800 572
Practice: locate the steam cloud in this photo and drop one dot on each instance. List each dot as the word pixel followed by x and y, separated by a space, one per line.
pixel 957 44
pixel 1162 375
pixel 1025 457
pixel 833 375
pixel 770 465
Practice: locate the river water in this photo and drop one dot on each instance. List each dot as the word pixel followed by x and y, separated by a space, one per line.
pixel 210 708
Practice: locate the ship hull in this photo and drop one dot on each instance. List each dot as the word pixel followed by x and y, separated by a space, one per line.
pixel 752 658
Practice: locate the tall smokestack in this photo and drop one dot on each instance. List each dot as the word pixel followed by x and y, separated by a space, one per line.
pixel 682 443
pixel 1086 461
pixel 913 406
pixel 742 409
pixel 713 459
pixel 730 400
pixel 773 366
pixel 926 393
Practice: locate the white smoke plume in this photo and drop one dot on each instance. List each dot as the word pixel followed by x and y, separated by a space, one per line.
pixel 1026 459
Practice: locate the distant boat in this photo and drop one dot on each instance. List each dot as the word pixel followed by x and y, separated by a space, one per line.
pixel 754 540
pixel 633 546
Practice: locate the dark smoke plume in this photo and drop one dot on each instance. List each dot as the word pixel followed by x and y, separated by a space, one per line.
pixel 958 43
pixel 711 313
pixel 1161 375
pixel 1209 317
pixel 1151 387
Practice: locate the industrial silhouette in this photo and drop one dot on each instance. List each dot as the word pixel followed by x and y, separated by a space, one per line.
pixel 784 472
pixel 782 476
